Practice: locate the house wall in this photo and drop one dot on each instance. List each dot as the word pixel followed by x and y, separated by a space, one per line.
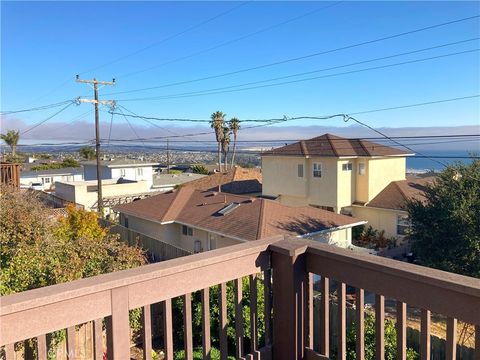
pixel 380 219
pixel 136 173
pixel 383 171
pixel 172 234
pixel 52 178
pixel 90 172
pixel 361 181
pixel 346 184
pixel 341 238
pixel 280 176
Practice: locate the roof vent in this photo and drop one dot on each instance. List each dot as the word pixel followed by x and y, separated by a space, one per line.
pixel 228 209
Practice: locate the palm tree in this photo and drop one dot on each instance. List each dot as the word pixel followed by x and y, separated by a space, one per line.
pixel 234 125
pixel 225 144
pixel 11 139
pixel 217 123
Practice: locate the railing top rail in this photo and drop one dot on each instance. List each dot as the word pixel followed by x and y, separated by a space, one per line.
pixel 443 279
pixel 60 292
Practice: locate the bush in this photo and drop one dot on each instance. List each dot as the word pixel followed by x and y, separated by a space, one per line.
pixel 200 169
pixel 198 354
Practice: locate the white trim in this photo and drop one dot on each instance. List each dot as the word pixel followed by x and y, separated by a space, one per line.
pixel 211 231
pixel 379 208
pixel 326 231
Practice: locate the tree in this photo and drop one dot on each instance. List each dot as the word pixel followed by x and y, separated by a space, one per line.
pixel 200 169
pixel 234 125
pixel 11 139
pixel 225 145
pixel 445 227
pixel 87 152
pixel 369 333
pixel 217 124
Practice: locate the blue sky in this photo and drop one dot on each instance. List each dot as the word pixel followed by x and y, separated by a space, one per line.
pixel 44 44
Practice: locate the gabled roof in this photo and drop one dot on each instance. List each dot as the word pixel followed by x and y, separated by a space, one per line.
pixel 235 181
pixel 395 195
pixel 253 219
pixel 329 145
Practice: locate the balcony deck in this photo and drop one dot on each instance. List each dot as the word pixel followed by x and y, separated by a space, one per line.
pixel 286 267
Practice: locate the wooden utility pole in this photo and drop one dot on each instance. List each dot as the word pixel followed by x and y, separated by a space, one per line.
pixel 95 83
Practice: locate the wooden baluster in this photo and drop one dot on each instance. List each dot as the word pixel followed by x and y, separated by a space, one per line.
pixel 223 321
pixel 379 327
pixel 71 343
pixel 360 323
pixel 187 323
pixel 167 329
pixel 324 341
pixel 309 322
pixel 477 342
pixel 451 339
pixel 98 339
pixel 238 318
pixel 147 332
pixel 253 313
pixel 42 347
pixel 9 351
pixel 206 343
pixel 425 335
pixel 401 327
pixel 120 324
pixel 267 292
pixel 341 321
pixel 108 328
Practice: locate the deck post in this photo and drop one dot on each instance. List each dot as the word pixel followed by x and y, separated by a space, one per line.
pixel 290 290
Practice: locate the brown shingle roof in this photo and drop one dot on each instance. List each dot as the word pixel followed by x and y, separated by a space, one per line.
pixel 254 219
pixel 397 193
pixel 334 146
pixel 235 181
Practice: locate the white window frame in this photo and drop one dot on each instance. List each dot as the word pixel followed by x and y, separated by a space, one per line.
pixel 122 172
pixel 187 230
pixel 347 166
pixel 361 168
pixel 403 225
pixel 139 171
pixel 317 170
pixel 300 170
pixel 46 180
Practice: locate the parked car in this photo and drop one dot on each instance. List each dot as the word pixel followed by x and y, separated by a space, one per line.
pixel 37 186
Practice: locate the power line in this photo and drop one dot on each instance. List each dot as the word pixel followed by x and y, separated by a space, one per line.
pixel 148 121
pixel 168 38
pixel 215 91
pixel 48 118
pixel 302 57
pixel 228 42
pixel 43 107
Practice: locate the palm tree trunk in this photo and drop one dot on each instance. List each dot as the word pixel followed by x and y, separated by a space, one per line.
pixel 234 149
pixel 14 150
pixel 219 158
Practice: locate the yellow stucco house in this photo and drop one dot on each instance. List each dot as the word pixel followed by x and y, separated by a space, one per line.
pixel 348 176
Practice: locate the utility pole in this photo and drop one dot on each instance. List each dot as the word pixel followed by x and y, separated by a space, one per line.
pixel 168 156
pixel 95 83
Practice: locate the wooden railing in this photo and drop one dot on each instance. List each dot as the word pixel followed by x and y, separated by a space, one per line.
pixel 285 266
pixel 10 174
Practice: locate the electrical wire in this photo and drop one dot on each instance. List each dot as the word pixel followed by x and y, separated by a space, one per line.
pixel 302 57
pixel 216 91
pixel 43 107
pixel 44 121
pixel 229 42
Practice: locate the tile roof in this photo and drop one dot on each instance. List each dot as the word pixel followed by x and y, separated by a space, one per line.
pixel 254 219
pixel 334 146
pixel 175 179
pixel 235 181
pixel 397 193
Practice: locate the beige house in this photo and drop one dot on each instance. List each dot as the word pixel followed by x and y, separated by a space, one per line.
pixel 197 220
pixel 336 174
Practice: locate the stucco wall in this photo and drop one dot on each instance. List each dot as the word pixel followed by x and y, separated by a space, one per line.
pixel 346 180
pixel 90 172
pixel 380 219
pixel 280 176
pixel 321 190
pixel 341 238
pixel 382 172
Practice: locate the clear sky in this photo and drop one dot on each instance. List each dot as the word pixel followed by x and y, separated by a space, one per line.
pixel 44 44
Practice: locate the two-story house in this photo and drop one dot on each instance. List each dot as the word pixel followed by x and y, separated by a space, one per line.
pixel 334 173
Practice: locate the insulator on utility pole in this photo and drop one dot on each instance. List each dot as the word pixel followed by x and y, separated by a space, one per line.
pixel 95 83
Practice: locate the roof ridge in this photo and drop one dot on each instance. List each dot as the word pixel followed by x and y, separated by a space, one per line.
pixel 331 144
pixel 173 213
pixel 260 228
pixel 304 148
pixel 360 141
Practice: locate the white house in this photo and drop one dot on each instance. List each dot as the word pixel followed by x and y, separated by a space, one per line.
pixel 120 168
pixel 48 177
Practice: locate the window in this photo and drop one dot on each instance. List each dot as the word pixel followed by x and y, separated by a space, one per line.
pixel 187 231
pixel 361 168
pixel 347 167
pixel 317 170
pixel 46 180
pixel 300 170
pixel 139 171
pixel 122 172
pixel 403 224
